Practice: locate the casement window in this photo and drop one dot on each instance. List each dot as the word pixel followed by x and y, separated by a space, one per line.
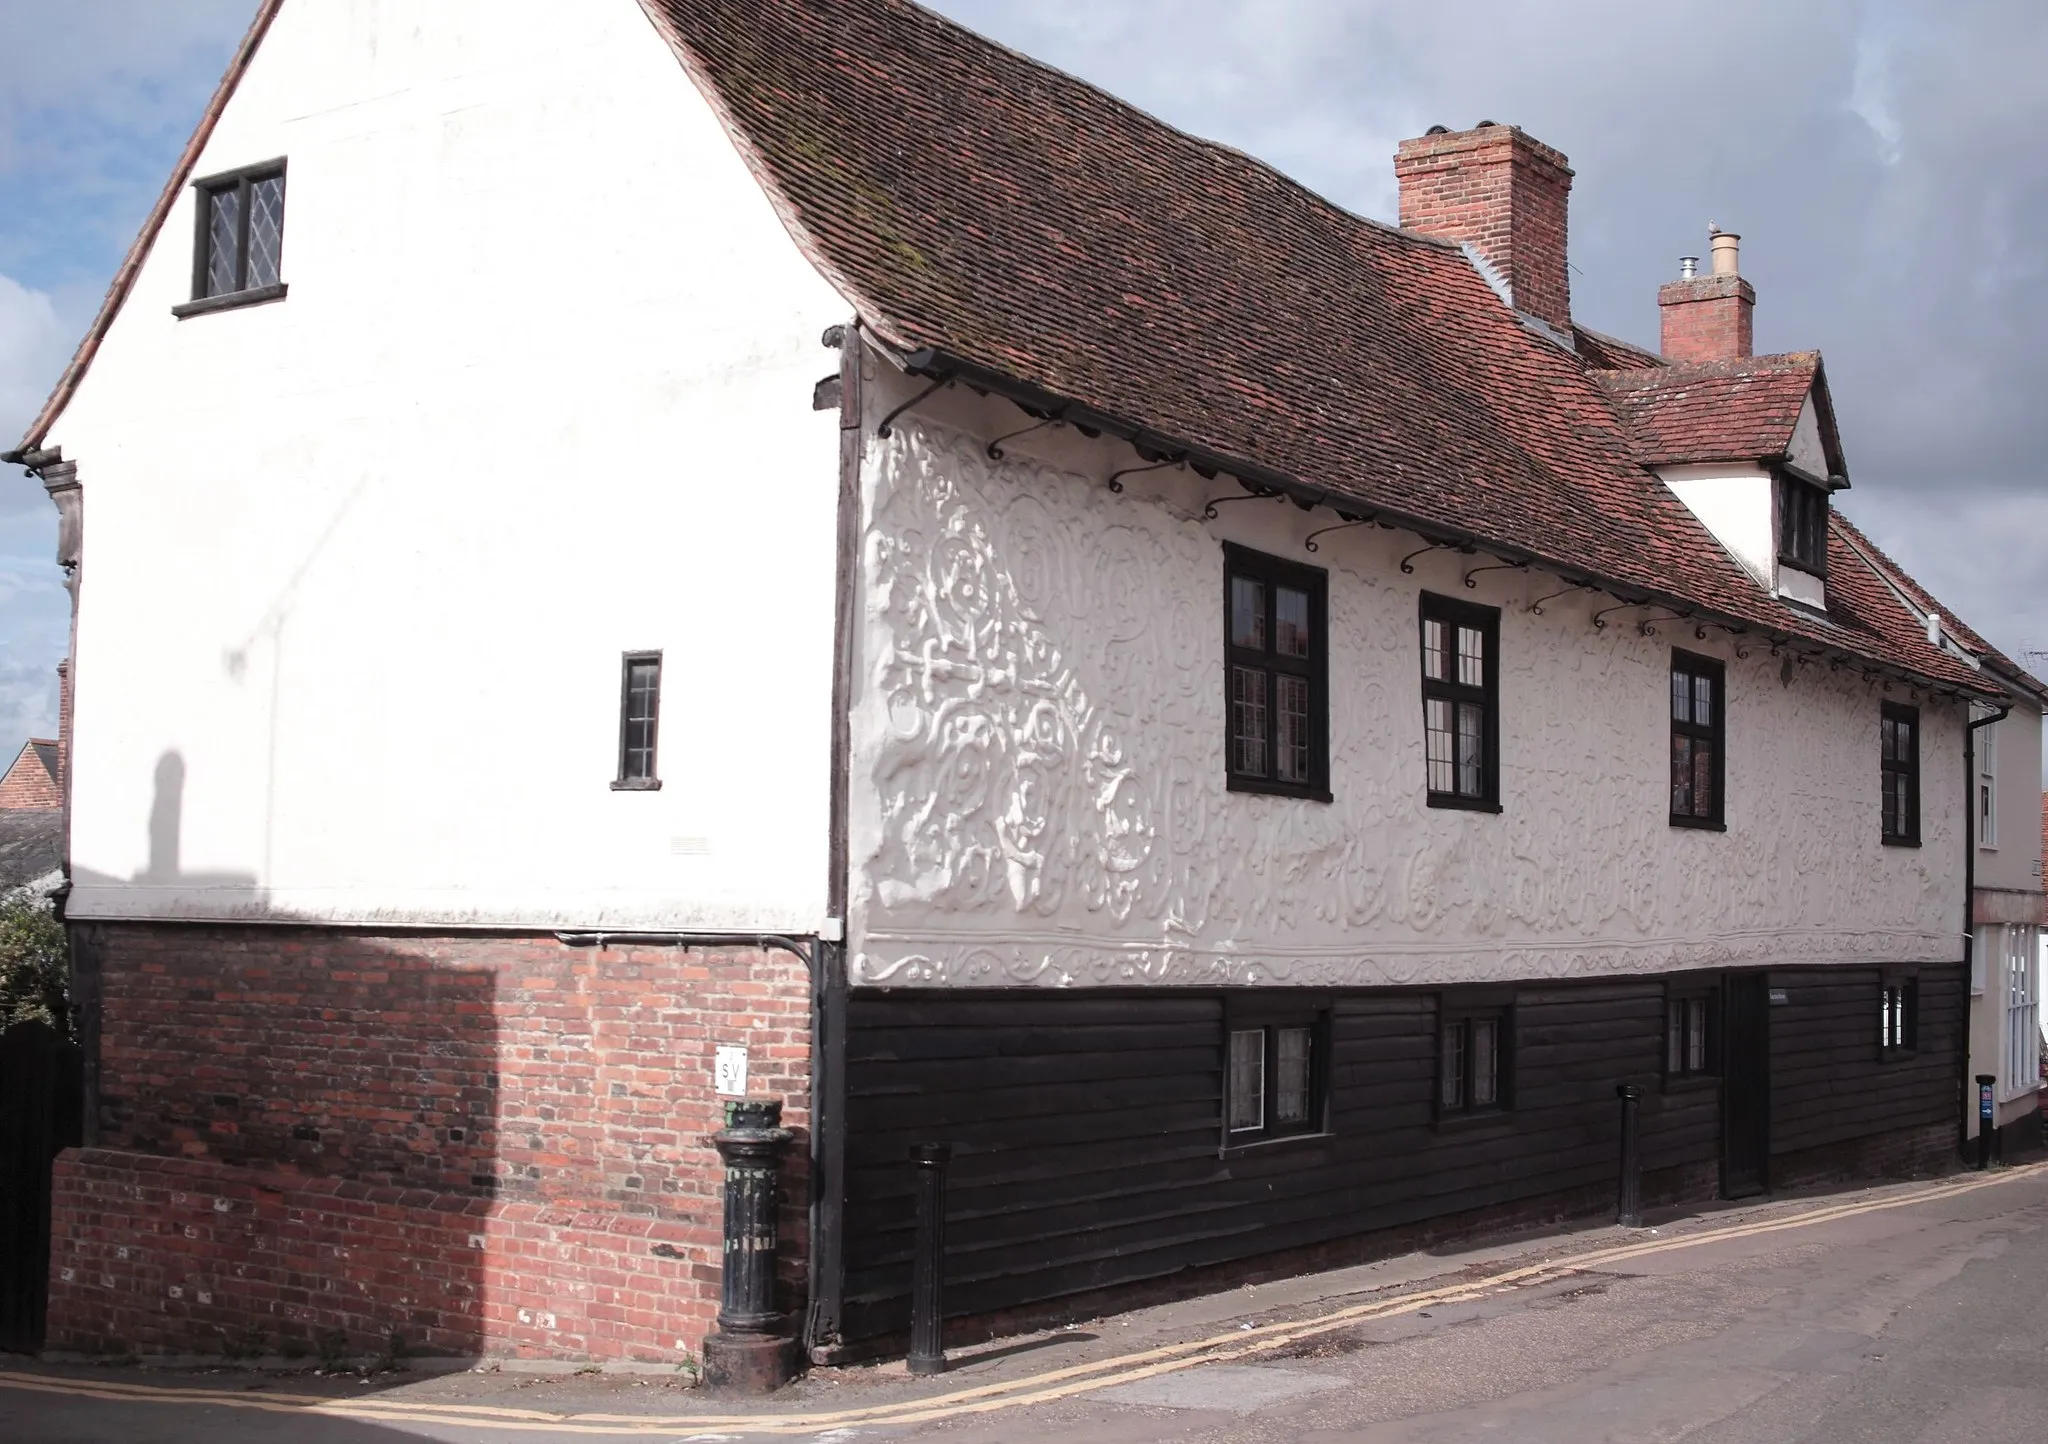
pixel 2022 1070
pixel 639 715
pixel 1460 703
pixel 1987 787
pixel 1802 525
pixel 1899 764
pixel 239 250
pixel 1697 756
pixel 1691 1025
pixel 1275 1072
pixel 1898 1022
pixel 1472 1058
pixel 1276 669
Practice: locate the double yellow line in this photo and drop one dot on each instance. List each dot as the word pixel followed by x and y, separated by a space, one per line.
pixel 988 1398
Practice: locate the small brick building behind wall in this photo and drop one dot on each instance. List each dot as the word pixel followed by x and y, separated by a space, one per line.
pixel 316 1140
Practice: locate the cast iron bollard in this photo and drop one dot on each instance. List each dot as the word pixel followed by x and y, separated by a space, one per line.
pixel 928 1268
pixel 748 1354
pixel 1628 1206
pixel 1987 1114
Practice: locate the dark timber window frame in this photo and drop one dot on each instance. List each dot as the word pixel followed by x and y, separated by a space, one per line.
pixel 1690 731
pixel 1692 1032
pixel 242 184
pixel 1273 668
pixel 1898 1016
pixel 1899 771
pixel 1280 1026
pixel 1457 694
pixel 1802 525
pixel 630 779
pixel 1463 1019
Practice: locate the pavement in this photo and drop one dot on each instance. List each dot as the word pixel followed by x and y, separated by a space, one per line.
pixel 1911 1312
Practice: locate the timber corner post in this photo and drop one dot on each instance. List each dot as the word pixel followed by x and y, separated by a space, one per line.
pixel 750 1353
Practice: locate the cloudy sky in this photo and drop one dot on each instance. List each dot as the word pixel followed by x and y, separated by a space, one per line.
pixel 1882 159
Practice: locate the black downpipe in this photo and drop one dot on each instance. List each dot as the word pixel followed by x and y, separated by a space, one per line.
pixel 1969 923
pixel 828 981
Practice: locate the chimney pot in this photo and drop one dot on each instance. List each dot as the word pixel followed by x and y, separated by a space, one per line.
pixel 1727 247
pixel 1688 267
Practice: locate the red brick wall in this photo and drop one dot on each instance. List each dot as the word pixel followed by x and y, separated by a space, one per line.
pixel 491 1145
pixel 1503 193
pixel 1708 318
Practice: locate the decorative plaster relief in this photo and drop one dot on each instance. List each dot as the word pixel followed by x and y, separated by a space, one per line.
pixel 1040 791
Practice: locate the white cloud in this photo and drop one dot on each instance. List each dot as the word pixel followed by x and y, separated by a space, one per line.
pixel 33 345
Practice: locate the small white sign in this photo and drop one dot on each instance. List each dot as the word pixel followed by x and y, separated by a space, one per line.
pixel 730 1074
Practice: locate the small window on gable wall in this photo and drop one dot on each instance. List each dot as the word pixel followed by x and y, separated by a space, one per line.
pixel 1803 525
pixel 639 714
pixel 239 251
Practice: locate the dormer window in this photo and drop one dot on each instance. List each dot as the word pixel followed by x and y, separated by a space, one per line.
pixel 1802 525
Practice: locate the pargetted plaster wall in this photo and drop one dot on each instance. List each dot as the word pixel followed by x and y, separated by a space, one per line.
pixel 1038 777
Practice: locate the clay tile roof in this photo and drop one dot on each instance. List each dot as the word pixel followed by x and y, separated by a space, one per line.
pixel 1715 411
pixel 1606 353
pixel 988 214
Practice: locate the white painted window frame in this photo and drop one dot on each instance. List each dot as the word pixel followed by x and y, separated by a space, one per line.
pixel 1987 788
pixel 2020 976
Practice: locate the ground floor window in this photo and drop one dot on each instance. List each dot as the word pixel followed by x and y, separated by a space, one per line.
pixel 1274 1075
pixel 1899 1016
pixel 2022 1009
pixel 1690 1026
pixel 1473 1050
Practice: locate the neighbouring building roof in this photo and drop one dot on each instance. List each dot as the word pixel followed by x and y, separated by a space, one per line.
pixel 31 847
pixel 31 783
pixel 978 207
pixel 1743 410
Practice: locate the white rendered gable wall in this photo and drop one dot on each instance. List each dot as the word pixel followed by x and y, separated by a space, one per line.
pixel 1039 794
pixel 360 565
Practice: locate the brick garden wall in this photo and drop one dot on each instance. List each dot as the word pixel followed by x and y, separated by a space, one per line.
pixel 314 1139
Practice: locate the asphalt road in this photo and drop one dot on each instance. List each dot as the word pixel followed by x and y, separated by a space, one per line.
pixel 1889 1316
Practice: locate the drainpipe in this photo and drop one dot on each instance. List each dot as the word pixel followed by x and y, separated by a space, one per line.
pixel 1970 908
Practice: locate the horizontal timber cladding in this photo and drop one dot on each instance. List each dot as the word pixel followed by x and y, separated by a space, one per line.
pixel 1829 1080
pixel 1087 1140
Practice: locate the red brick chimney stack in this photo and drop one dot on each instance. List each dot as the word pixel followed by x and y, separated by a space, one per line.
pixel 1709 318
pixel 1503 193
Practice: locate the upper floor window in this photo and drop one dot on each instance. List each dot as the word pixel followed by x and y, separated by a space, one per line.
pixel 1276 665
pixel 1899 764
pixel 1802 525
pixel 1696 752
pixel 1987 786
pixel 240 245
pixel 1460 703
pixel 639 712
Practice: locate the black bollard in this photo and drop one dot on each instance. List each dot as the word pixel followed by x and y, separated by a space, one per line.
pixel 1628 1205
pixel 1987 1114
pixel 928 1267
pixel 750 1354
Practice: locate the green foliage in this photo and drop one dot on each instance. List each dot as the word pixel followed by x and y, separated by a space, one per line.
pixel 34 963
